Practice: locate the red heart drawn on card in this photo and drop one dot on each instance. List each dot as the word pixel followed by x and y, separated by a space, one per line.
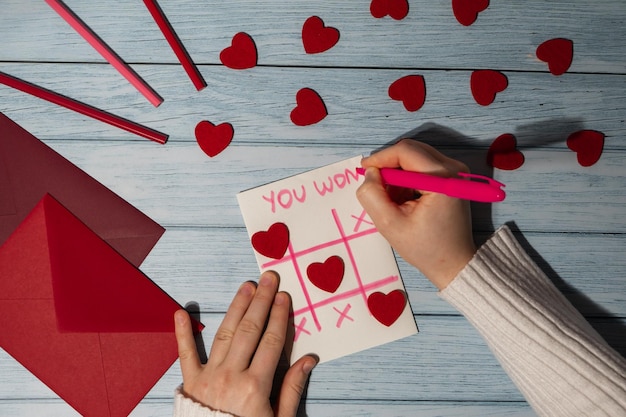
pixel 466 11
pixel 485 84
pixel 386 308
pixel 410 90
pixel 558 53
pixel 397 9
pixel 326 275
pixel 310 108
pixel 503 153
pixel 241 54
pixel 272 243
pixel 213 139
pixel 588 145
pixel 317 37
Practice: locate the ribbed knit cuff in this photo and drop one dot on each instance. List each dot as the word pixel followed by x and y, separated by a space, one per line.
pixel 186 407
pixel 558 361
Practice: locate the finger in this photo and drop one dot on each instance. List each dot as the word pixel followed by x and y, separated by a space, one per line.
pixel 374 198
pixel 272 342
pixel 293 386
pixel 250 328
pixel 409 155
pixel 190 363
pixel 226 331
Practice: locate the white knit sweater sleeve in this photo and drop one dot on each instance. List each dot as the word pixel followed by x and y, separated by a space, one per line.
pixel 557 360
pixel 186 407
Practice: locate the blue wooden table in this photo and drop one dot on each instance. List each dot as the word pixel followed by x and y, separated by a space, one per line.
pixel 570 217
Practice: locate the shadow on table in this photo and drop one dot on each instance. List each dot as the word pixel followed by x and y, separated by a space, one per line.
pixel 474 155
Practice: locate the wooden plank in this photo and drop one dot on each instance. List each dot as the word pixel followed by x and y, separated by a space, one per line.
pixel 446 361
pixel 150 408
pixel 541 110
pixel 505 36
pixel 208 265
pixel 177 185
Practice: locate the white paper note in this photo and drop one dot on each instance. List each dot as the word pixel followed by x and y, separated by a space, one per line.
pixel 341 274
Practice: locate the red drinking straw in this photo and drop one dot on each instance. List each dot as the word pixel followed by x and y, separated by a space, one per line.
pixel 82 108
pixel 114 59
pixel 175 43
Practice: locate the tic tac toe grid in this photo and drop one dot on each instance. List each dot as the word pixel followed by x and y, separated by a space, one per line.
pixel 343 242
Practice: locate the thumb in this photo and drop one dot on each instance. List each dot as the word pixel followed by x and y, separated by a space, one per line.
pixel 374 198
pixel 293 386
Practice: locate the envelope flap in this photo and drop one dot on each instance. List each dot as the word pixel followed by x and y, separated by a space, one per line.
pixel 95 288
pixel 25 261
pixel 29 169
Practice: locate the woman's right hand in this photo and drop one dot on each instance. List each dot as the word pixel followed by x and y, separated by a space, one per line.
pixel 432 232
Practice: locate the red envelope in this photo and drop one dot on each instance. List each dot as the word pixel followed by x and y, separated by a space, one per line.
pixel 79 316
pixel 29 169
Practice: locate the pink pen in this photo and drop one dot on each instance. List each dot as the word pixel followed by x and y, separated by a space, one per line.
pixel 482 189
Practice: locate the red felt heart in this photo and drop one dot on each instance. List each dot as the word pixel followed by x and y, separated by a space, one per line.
pixel 272 243
pixel 410 90
pixel 558 53
pixel 316 37
pixel 310 108
pixel 466 11
pixel 386 308
pixel 326 275
pixel 397 9
pixel 588 145
pixel 213 139
pixel 485 84
pixel 503 153
pixel 241 54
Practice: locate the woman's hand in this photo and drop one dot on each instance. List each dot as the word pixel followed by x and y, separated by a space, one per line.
pixel 433 232
pixel 238 376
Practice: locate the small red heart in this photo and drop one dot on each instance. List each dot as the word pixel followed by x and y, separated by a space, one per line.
pixel 272 243
pixel 316 37
pixel 558 53
pixel 213 139
pixel 386 308
pixel 410 90
pixel 503 153
pixel 466 11
pixel 326 275
pixel 397 9
pixel 310 108
pixel 242 53
pixel 485 84
pixel 588 145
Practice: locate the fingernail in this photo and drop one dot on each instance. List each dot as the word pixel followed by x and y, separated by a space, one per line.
pixel 266 279
pixel 281 298
pixel 308 366
pixel 245 289
pixel 179 317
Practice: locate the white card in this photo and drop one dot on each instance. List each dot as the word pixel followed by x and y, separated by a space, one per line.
pixel 341 274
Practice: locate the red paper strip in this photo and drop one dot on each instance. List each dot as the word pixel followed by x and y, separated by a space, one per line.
pixel 107 53
pixel 176 44
pixel 82 108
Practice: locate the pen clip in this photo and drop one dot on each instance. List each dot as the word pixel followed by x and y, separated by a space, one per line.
pixel 490 181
